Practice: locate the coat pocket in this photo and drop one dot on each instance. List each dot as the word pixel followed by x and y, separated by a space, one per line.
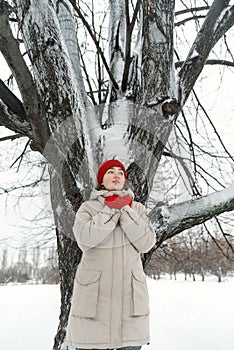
pixel 140 296
pixel 85 294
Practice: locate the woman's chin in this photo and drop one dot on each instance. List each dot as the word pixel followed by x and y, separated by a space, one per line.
pixel 115 188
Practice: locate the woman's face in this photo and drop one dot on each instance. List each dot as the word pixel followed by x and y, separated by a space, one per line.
pixel 114 179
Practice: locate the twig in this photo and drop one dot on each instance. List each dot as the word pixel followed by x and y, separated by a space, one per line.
pixel 210 121
pixel 193 18
pixel 11 137
pixel 192 9
pixel 211 62
pixel 93 36
pixel 21 156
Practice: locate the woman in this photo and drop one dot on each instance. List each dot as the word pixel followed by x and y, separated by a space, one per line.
pixel 110 306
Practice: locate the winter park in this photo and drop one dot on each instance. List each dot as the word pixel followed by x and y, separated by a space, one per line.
pixel 116 174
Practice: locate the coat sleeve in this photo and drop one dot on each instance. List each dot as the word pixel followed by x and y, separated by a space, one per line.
pixel 91 230
pixel 137 227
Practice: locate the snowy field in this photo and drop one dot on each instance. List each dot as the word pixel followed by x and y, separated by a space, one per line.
pixel 184 315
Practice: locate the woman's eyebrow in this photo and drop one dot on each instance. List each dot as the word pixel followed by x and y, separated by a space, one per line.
pixel 119 169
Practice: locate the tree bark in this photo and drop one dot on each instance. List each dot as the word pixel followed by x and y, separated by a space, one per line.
pixel 69 253
pixel 151 125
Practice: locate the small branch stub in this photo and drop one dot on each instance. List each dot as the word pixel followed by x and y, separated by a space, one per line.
pixel 170 106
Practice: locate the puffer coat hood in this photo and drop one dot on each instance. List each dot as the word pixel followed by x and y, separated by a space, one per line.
pixel 110 303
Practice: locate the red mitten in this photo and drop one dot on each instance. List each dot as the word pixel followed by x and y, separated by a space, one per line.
pixel 117 202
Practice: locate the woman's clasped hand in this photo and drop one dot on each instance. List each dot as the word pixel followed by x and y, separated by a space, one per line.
pixel 117 202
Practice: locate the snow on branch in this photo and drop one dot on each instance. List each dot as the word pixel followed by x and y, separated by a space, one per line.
pixel 171 220
pixel 225 17
pixel 13 121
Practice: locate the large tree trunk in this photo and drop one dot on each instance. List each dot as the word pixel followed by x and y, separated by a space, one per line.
pixel 68 252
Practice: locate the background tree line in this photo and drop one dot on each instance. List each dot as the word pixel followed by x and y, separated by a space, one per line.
pixel 187 254
pixel 36 268
pixel 192 256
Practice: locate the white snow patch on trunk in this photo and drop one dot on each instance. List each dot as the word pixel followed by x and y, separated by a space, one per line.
pixel 224 13
pixel 194 54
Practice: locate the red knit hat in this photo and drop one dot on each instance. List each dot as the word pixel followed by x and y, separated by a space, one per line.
pixel 106 166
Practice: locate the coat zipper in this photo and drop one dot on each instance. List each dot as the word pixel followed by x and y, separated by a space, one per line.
pixel 122 291
pixel 110 340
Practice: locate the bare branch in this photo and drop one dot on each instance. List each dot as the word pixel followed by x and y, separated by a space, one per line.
pixel 91 92
pixel 192 9
pixel 15 188
pixel 135 14
pixel 224 234
pixel 94 38
pixel 213 126
pixel 211 62
pixel 20 157
pixel 215 241
pixel 181 160
pixel 11 137
pixel 228 49
pixel 193 18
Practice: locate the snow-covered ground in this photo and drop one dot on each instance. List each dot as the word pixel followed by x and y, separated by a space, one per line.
pixel 184 315
pixel 192 315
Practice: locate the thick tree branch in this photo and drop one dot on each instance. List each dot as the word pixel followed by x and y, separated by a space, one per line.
pixel 157 49
pixel 62 104
pixel 218 20
pixel 153 120
pixel 11 101
pixel 68 25
pixel 117 41
pixel 12 113
pixel 172 220
pixel 224 22
pixel 129 30
pixel 169 221
pixel 11 52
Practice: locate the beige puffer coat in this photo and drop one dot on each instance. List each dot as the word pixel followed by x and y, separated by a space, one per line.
pixel 110 305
